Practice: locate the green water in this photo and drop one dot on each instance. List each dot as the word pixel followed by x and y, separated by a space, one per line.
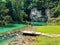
pixel 9 28
pixel 5 41
pixel 38 23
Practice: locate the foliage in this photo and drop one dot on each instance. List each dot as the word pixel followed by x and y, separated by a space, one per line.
pixel 16 9
pixel 4 17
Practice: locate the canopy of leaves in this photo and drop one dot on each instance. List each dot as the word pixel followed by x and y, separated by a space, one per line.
pixel 14 10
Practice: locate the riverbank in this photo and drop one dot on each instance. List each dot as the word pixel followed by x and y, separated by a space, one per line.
pixel 6 33
pixel 11 27
pixel 22 40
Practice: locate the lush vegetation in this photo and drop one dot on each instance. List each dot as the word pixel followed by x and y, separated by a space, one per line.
pixel 48 29
pixel 42 40
pixel 14 11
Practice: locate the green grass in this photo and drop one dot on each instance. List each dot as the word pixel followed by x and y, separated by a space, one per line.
pixel 49 29
pixel 43 40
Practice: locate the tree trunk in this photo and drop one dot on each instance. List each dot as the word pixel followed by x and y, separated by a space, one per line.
pixel 48 13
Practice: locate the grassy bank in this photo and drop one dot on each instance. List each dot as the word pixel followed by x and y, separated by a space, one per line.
pixel 43 40
pixel 49 29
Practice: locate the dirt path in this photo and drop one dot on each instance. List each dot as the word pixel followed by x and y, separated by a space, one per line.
pixel 33 28
pixel 30 28
pixel 49 35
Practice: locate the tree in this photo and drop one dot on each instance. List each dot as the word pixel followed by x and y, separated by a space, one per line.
pixel 17 9
pixel 3 14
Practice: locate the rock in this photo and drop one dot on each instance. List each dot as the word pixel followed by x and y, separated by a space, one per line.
pixel 33 33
